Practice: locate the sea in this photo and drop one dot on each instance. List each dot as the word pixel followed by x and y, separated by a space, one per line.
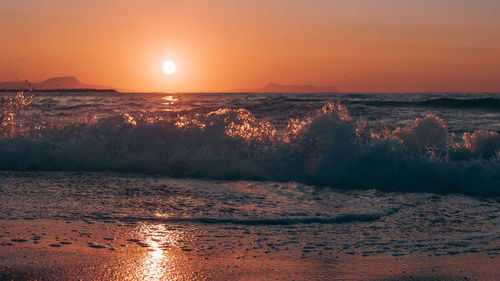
pixel 309 174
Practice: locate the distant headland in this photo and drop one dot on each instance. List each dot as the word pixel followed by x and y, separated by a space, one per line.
pixel 56 84
pixel 277 88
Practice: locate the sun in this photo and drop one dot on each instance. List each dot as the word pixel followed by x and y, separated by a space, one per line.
pixel 169 67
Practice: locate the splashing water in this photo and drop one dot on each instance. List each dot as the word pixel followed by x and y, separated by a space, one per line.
pixel 9 107
pixel 326 147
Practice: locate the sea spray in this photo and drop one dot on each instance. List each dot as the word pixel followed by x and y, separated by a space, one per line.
pixel 326 147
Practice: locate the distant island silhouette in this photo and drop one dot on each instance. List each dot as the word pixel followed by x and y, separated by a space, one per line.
pixel 70 83
pixel 278 88
pixel 55 84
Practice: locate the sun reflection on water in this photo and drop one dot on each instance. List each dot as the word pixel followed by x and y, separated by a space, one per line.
pixel 169 100
pixel 159 262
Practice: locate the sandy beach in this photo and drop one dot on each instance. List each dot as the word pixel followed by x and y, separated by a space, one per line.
pixel 59 250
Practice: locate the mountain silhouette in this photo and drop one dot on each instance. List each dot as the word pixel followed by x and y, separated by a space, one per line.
pixel 56 83
pixel 277 88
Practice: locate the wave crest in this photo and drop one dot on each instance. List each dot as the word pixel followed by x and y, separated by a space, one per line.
pixel 328 147
pixel 489 103
pixel 9 107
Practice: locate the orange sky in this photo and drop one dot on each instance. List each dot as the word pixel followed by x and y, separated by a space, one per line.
pixel 358 46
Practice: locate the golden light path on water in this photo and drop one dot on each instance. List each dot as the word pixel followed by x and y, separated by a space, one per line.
pixel 159 263
pixel 169 99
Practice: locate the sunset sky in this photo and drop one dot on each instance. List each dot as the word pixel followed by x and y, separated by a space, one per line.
pixel 357 46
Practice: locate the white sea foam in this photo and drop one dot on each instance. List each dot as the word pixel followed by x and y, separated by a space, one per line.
pixel 327 147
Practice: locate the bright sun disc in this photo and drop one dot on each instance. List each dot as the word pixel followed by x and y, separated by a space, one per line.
pixel 169 67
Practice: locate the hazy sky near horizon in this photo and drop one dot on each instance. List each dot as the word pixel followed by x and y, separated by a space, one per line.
pixel 219 45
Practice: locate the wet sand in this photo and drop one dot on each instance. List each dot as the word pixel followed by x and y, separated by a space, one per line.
pixel 76 250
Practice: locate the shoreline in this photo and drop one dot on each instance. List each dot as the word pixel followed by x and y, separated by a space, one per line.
pixel 44 249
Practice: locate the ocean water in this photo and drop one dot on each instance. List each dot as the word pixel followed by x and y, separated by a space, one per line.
pixel 312 175
pixel 443 143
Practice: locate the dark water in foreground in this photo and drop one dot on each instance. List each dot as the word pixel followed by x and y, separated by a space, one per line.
pixel 143 227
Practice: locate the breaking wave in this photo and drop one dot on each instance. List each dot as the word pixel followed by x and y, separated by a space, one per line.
pixel 328 147
pixel 476 103
pixel 361 216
